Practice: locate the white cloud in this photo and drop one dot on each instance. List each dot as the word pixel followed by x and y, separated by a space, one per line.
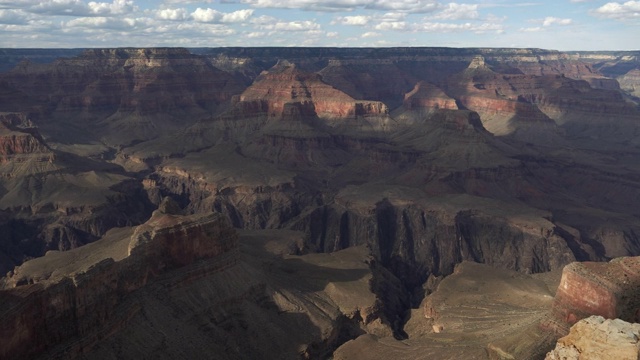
pixel 621 11
pixel 296 26
pixel 548 21
pixel 80 8
pixel 455 11
pixel 358 20
pixel 102 22
pixel 391 25
pixel 13 17
pixel 452 27
pixel 371 34
pixel 214 16
pixel 531 29
pixel 332 34
pixel 172 14
pixel 117 7
pixel 413 6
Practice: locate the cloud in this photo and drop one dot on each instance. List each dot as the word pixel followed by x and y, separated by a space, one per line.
pixel 13 17
pixel 455 11
pixel 531 29
pixel 620 11
pixel 371 34
pixel 256 34
pixel 172 14
pixel 413 6
pixel 391 25
pixel 269 23
pixel 214 16
pixel 80 8
pixel 549 20
pixel 117 7
pixel 102 22
pixel 452 27
pixel 296 26
pixel 358 20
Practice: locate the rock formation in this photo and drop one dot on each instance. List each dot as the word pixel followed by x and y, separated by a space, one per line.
pixel 73 295
pixel 608 289
pixel 597 338
pixel 428 96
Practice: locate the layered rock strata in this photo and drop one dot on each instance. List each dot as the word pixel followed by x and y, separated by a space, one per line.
pixel 63 296
pixel 608 289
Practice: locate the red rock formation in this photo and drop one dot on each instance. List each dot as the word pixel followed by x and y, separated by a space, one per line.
pixel 610 290
pixel 510 104
pixel 285 84
pixel 79 293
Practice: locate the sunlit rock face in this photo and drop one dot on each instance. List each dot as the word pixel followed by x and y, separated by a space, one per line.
pixel 597 338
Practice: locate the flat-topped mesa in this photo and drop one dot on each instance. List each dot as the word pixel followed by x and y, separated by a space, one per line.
pixel 275 90
pixel 610 290
pixel 83 293
pixel 427 96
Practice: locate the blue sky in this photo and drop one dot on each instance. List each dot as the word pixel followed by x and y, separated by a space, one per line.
pixel 550 24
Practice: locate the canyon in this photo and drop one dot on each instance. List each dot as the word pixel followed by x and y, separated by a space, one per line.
pixel 314 202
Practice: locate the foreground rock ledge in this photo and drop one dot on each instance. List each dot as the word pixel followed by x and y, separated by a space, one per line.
pixel 65 295
pixel 597 338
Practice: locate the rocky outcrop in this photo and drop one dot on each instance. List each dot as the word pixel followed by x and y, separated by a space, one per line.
pixel 74 294
pixel 597 338
pixel 608 289
pixel 426 96
pixel 284 84
pixel 19 137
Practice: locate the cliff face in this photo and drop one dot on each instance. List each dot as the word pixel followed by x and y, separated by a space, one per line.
pixel 609 290
pixel 62 297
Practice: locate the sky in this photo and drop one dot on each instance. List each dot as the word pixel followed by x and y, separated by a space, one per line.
pixel 549 24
